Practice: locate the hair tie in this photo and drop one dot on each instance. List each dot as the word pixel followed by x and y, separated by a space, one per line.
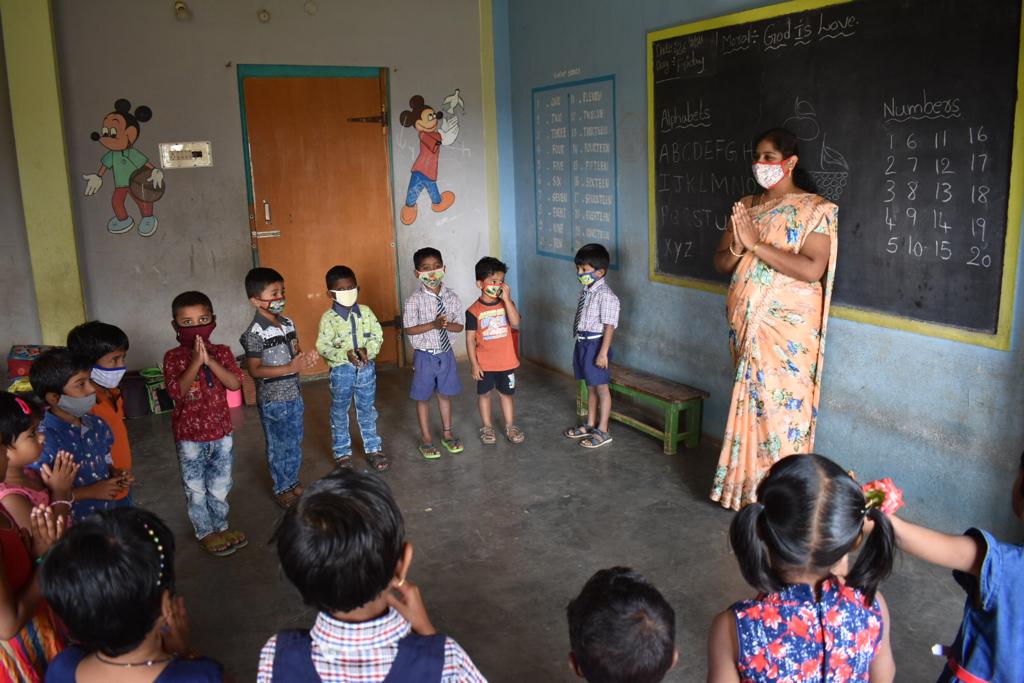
pixel 159 550
pixel 24 406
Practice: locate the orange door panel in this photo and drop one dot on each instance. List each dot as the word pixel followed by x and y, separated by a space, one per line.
pixel 321 187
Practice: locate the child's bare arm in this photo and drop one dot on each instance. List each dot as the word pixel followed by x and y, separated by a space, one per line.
pixel 20 509
pixel 606 343
pixel 257 369
pixel 722 650
pixel 962 553
pixel 435 324
pixel 883 666
pixel 510 306
pixel 478 374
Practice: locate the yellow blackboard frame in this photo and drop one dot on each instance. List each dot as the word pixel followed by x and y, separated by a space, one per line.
pixel 1001 338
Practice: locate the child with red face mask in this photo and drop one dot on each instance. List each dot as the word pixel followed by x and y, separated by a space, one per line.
pixel 198 374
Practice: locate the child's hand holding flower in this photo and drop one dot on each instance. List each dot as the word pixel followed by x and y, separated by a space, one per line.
pixel 883 494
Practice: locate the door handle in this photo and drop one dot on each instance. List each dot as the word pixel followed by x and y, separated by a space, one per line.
pixel 266 212
pixel 264 234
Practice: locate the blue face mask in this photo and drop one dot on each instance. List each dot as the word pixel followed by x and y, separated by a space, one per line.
pixel 587 279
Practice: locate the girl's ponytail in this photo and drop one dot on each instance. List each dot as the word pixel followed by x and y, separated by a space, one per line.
pixel 751 552
pixel 874 563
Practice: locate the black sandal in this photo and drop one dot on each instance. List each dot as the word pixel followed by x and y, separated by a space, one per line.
pixel 378 461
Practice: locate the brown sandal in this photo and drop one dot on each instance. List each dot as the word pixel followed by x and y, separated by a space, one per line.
pixel 514 434
pixel 287 498
pixel 487 436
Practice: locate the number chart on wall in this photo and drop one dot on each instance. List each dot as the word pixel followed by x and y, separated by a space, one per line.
pixel 574 166
pixel 905 114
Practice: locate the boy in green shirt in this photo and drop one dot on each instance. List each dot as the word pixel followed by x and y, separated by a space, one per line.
pixel 349 339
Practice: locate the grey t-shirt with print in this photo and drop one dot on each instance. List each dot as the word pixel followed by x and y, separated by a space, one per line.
pixel 275 346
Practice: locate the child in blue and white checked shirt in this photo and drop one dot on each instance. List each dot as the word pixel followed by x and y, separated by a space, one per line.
pixel 597 316
pixel 431 313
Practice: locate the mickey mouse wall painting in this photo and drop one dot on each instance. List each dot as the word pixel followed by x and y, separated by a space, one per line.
pixel 133 173
pixel 435 130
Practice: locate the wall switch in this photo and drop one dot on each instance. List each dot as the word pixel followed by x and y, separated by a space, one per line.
pixel 185 154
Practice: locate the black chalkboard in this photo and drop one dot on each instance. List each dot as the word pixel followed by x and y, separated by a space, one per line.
pixel 905 110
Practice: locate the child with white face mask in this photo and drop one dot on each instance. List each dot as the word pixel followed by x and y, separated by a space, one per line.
pixel 349 338
pixel 105 346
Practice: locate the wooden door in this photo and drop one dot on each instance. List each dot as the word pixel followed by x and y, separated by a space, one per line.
pixel 322 193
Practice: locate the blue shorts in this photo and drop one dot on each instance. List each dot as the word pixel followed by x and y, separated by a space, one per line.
pixel 434 373
pixel 583 362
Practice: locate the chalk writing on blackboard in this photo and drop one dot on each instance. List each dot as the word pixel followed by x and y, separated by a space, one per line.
pixel 575 166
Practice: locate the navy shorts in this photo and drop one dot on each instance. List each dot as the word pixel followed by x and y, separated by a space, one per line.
pixel 434 374
pixel 502 380
pixel 583 362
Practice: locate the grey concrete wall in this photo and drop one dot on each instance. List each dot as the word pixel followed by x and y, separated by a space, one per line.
pixel 185 71
pixel 21 324
pixel 942 418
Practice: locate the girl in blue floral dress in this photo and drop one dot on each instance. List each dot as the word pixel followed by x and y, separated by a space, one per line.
pixel 807 624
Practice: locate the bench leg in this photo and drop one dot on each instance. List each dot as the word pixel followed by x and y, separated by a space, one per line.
pixel 581 399
pixel 671 437
pixel 693 419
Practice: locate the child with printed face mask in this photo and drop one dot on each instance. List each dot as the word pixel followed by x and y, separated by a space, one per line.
pixel 491 349
pixel 198 374
pixel 273 358
pixel 106 347
pixel 428 315
pixel 61 380
pixel 349 338
pixel 597 317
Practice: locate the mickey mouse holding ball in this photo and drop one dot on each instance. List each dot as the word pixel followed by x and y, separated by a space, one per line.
pixel 133 172
pixel 434 130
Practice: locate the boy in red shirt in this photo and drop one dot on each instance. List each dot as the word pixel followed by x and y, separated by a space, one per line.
pixel 491 350
pixel 198 375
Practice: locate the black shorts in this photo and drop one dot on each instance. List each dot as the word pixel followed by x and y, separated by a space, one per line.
pixel 504 381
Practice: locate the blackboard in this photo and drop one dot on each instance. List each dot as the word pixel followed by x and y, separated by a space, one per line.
pixel 905 111
pixel 574 167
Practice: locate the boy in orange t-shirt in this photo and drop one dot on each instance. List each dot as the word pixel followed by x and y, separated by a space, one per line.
pixel 492 353
pixel 105 348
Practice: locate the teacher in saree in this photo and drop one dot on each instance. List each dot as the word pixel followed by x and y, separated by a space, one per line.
pixel 780 247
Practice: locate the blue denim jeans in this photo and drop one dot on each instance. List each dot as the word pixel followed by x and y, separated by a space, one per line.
pixel 417 183
pixel 348 382
pixel 282 427
pixel 206 477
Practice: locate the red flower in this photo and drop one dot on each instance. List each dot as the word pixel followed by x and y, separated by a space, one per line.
pixel 770 616
pixel 798 626
pixel 883 494
pixel 810 668
pixel 759 662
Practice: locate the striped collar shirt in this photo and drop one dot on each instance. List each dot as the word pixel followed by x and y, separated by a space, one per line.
pixel 600 308
pixel 344 652
pixel 421 307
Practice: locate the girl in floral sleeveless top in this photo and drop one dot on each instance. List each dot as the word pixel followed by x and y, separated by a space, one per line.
pixel 813 620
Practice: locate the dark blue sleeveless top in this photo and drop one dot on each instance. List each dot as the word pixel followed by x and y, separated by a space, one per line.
pixel 420 659
pixel 199 670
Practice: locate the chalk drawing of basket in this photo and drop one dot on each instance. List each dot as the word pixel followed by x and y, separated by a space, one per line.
pixel 830 184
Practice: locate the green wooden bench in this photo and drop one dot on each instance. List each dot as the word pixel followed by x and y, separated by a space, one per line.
pixel 671 397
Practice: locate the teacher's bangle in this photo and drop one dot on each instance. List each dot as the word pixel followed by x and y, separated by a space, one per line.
pixel 753 249
pixel 739 255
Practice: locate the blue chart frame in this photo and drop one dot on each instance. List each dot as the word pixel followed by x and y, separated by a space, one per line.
pixel 568 86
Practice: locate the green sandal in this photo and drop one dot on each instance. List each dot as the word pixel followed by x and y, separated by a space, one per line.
pixel 235 539
pixel 452 443
pixel 429 451
pixel 216 545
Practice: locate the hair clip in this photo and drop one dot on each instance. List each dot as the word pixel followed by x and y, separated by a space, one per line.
pixel 159 550
pixel 24 406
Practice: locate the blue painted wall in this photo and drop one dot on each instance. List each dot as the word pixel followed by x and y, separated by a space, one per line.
pixel 942 418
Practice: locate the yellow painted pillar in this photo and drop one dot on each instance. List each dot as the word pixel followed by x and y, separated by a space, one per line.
pixel 34 83
pixel 490 111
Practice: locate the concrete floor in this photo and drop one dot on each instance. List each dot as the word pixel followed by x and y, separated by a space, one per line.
pixel 504 536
